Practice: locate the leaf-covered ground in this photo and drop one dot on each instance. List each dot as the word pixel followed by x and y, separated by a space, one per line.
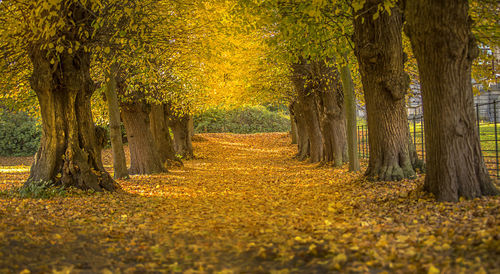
pixel 245 205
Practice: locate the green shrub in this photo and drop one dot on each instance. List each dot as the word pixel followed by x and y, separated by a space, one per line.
pixel 253 119
pixel 41 189
pixel 19 134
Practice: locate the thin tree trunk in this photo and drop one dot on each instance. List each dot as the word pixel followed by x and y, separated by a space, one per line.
pixel 191 126
pixel 115 133
pixel 350 108
pixel 293 131
pixel 161 134
pixel 440 33
pixel 69 154
pixel 302 134
pixel 144 156
pixel 378 47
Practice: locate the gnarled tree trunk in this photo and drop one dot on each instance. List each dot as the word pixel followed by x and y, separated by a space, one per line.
pixel 144 156
pixel 115 132
pixel 444 48
pixel 161 133
pixel 308 109
pixel 378 47
pixel 330 102
pixel 69 154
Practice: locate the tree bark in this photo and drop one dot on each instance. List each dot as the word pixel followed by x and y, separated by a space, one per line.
pixel 191 126
pixel 350 107
pixel 330 103
pixel 302 135
pixel 144 156
pixel 115 133
pixel 378 48
pixel 293 131
pixel 161 134
pixel 440 33
pixel 179 123
pixel 308 108
pixel 69 154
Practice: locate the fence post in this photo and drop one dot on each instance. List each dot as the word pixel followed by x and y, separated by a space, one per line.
pixel 496 136
pixel 477 118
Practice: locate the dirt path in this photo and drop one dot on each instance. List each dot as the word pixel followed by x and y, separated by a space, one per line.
pixel 245 205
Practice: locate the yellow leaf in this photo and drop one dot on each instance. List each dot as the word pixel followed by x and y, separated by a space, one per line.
pixel 433 270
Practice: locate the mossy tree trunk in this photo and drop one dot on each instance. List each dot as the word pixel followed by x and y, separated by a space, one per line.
pixel 69 154
pixel 378 47
pixel 440 33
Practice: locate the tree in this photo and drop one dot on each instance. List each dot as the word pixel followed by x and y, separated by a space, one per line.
pixel 306 105
pixel 161 133
pixel 115 132
pixel 378 47
pixel 440 33
pixel 55 36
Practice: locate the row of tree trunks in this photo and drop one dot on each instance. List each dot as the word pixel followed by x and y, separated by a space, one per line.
pixel 330 103
pixel 144 154
pixel 440 34
pixel 69 154
pixel 378 47
pixel 318 113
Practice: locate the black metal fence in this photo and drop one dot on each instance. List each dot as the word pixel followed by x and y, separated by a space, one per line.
pixel 487 124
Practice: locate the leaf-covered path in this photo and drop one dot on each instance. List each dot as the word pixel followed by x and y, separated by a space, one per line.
pixel 245 205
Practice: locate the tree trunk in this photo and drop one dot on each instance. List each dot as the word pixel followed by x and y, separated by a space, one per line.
pixel 179 124
pixel 330 104
pixel 144 156
pixel 440 33
pixel 350 107
pixel 302 138
pixel 161 134
pixel 293 131
pixel 115 133
pixel 69 154
pixel 191 126
pixel 308 109
pixel 378 47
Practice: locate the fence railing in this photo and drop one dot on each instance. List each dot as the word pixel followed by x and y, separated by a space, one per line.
pixel 488 117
